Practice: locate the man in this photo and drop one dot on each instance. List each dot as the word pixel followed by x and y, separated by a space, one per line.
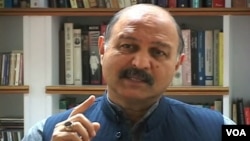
pixel 140 54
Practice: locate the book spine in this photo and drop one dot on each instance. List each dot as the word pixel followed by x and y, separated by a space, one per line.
pixel 208 58
pixel 240 110
pixel 239 3
pixel 182 3
pixel 133 2
pixel 86 4
pixel 127 3
pixel 215 57
pixel 186 66
pixel 234 111
pixel 172 3
pixel 85 57
pixel 101 3
pixel 73 3
pixel 4 61
pixel 2 3
pixel 163 3
pixel 195 3
pixel 20 79
pixel 121 3
pixel 62 57
pixel 38 4
pixel 12 68
pixel 220 59
pixel 94 59
pixel 194 59
pixel 218 3
pixel 69 52
pixel 17 69
pixel 218 105
pixel 93 3
pixel 201 61
pixel 247 115
pixel 77 57
pixel 207 3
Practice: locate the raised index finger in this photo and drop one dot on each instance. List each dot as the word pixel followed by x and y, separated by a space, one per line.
pixel 83 106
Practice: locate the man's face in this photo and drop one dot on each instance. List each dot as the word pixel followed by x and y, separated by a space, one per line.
pixel 141 57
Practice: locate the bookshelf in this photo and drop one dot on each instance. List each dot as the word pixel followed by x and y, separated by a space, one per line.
pixel 192 91
pixel 111 11
pixel 37 34
pixel 14 89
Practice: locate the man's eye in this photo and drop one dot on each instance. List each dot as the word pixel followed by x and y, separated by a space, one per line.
pixel 127 48
pixel 158 53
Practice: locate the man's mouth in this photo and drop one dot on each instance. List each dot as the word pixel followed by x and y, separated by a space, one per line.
pixel 137 75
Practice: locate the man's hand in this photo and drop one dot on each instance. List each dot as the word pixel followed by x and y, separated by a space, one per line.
pixel 78 127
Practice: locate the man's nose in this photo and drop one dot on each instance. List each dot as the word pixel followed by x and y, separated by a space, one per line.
pixel 142 60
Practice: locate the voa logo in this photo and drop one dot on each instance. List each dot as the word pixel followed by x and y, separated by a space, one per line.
pixel 236 132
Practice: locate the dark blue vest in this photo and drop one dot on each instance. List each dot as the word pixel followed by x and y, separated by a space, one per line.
pixel 171 121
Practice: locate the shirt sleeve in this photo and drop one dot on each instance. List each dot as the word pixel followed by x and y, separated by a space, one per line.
pixel 35 132
pixel 228 121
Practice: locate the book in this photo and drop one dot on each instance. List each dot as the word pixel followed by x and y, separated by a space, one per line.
pixel 94 57
pixel 172 3
pixel 209 57
pixel 201 57
pixel 240 111
pixel 101 4
pixel 195 3
pixel 69 52
pixel 186 66
pixel 77 57
pixel 61 57
pixel 15 66
pixel 218 3
pixel 221 59
pixel 86 4
pixel 73 3
pixel 38 3
pixel 239 3
pixel 85 56
pixel 215 57
pixel 194 58
pixel 182 3
pixel 218 105
pixel 207 3
pixel 234 111
pixel 93 4
pixel 247 115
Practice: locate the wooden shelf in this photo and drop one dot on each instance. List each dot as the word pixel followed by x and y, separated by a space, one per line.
pixel 111 11
pixel 14 89
pixel 94 89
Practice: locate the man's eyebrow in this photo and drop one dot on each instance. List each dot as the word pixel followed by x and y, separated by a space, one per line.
pixel 161 44
pixel 123 36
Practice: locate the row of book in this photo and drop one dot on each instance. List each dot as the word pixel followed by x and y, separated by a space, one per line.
pixel 79 59
pixel 126 3
pixel 119 3
pixel 11 128
pixel 203 65
pixel 241 111
pixel 11 68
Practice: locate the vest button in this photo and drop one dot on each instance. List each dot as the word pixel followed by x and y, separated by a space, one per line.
pixel 118 134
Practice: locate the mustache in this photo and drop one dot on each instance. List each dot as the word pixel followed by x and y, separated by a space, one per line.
pixel 138 74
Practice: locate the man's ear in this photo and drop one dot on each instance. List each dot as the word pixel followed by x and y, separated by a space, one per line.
pixel 101 43
pixel 180 61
